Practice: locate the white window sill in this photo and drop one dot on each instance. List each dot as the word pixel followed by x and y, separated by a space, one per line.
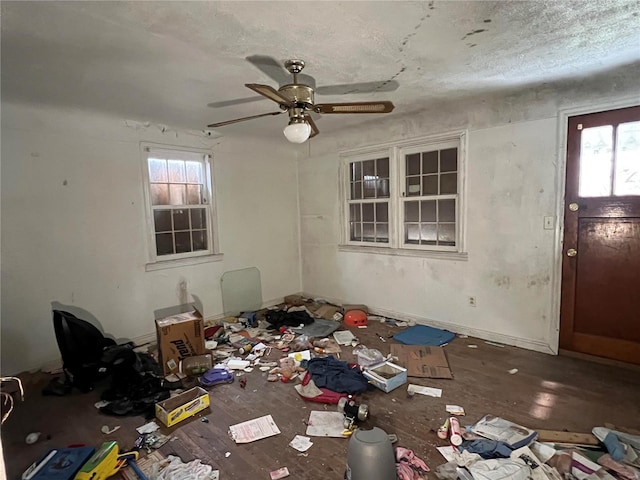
pixel 182 262
pixel 405 252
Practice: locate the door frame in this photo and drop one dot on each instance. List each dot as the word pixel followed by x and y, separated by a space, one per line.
pixel 561 180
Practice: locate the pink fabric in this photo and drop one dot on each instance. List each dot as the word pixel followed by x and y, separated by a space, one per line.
pixel 409 466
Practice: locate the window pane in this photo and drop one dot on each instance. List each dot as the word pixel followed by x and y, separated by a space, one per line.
pixel 194 172
pixel 430 162
pixel 412 233
pixel 411 213
pixel 382 167
pixel 194 194
pixel 198 218
pixel 369 186
pixel 181 219
pixel 177 194
pixel 382 232
pixel 354 213
pixel 356 190
pixel 164 244
pixel 413 186
pixel 627 180
pixel 158 170
pixel 430 185
pixel 447 210
pixel 159 193
pixel 428 233
pixel 383 188
pixel 183 242
pixel 428 211
pixel 595 161
pixel 369 169
pixel 199 240
pixel 382 212
pixel 162 221
pixel 368 232
pixel 367 212
pixel 356 171
pixel 356 232
pixel 448 183
pixel 446 234
pixel 449 160
pixel 176 171
pixel 413 164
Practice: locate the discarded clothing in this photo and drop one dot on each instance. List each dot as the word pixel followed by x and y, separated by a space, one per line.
pixel 309 391
pixel 280 318
pixel 409 466
pixel 173 468
pixel 336 375
pixel 500 469
pixel 487 448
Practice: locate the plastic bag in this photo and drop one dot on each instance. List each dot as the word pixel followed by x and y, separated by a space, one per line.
pixel 173 468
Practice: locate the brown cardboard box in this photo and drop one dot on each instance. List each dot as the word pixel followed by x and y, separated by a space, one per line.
pixel 422 361
pixel 179 336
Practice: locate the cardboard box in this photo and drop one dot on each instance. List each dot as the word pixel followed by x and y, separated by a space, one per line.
pixel 179 408
pixel 179 336
pixel 386 376
pixel 422 361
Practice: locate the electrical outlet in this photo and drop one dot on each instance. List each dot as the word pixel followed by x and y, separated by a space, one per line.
pixel 472 301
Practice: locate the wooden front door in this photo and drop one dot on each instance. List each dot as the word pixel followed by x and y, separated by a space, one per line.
pixel 600 303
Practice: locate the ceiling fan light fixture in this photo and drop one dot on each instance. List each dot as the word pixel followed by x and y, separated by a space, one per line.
pixel 297 131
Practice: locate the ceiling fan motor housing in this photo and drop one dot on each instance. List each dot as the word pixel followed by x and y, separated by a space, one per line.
pixel 301 95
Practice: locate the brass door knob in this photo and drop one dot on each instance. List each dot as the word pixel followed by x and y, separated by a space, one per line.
pixel 572 252
pixel 574 207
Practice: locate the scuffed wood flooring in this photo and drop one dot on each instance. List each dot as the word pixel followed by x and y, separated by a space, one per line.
pixel 547 392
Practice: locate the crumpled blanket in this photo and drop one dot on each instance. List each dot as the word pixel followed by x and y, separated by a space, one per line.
pixel 409 466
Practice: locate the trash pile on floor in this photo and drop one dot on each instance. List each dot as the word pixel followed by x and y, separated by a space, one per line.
pixel 305 336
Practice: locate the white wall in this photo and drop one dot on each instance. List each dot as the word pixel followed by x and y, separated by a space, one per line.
pixel 73 226
pixel 514 179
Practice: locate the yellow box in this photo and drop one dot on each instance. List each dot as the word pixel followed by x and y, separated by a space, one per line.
pixel 178 408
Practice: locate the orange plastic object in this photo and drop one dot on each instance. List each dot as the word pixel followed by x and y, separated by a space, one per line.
pixel 355 318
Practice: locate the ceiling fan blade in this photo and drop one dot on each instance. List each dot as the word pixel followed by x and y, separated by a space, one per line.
pixel 314 128
pixel 229 122
pixel 355 107
pixel 365 87
pixel 270 67
pixel 269 92
pixel 235 101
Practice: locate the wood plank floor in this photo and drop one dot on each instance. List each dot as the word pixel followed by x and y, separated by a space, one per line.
pixel 553 393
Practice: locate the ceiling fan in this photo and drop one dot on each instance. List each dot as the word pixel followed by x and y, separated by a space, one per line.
pixel 298 100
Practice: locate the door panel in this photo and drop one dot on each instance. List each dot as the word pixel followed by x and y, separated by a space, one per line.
pixel 600 305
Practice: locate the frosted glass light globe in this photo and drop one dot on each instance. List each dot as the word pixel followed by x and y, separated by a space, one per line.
pixel 297 132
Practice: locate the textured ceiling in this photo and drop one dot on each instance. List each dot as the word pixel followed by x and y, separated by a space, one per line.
pixel 165 62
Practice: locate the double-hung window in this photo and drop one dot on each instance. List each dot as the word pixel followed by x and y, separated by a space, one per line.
pixel 180 204
pixel 406 196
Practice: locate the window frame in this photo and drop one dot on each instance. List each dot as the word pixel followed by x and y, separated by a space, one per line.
pixel 396 152
pixel 211 253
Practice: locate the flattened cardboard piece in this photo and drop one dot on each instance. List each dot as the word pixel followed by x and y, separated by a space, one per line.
pixel 422 361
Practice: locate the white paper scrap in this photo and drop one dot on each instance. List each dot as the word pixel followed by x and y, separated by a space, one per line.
pixel 447 452
pixel 343 337
pixel 455 409
pixel 280 473
pixel 235 364
pixel 325 424
pixel 429 391
pixel 253 430
pixel 301 443
pixel 513 371
pixel 148 428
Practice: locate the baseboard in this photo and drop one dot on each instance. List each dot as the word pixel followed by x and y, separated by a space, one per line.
pixel 536 345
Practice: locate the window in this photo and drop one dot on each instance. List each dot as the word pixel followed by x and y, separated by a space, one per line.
pixel 180 204
pixel 405 196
